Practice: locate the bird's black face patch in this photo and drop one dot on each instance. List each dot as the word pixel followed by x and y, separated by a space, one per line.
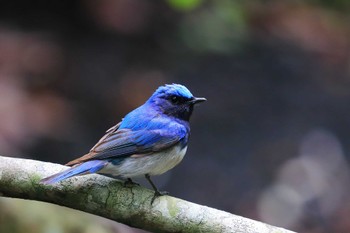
pixel 178 100
pixel 176 106
pixel 174 100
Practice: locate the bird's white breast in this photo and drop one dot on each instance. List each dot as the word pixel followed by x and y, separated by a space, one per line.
pixel 152 164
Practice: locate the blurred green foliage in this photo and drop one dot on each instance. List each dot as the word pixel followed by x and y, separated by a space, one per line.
pixel 340 5
pixel 184 5
pixel 220 27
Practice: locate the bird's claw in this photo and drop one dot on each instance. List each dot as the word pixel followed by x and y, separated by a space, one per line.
pixel 158 194
pixel 129 183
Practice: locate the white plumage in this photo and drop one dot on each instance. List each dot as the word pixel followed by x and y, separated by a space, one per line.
pixel 152 164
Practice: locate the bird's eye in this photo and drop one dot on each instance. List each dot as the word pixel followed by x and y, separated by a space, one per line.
pixel 175 99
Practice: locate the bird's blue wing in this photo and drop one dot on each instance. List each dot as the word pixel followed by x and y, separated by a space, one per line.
pixel 125 142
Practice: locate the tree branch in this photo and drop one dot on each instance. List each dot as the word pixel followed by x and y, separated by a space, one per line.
pixel 108 198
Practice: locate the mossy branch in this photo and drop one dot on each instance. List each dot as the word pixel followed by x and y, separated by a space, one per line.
pixel 106 197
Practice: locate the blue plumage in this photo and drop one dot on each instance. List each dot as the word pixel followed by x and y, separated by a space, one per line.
pixel 88 167
pixel 150 140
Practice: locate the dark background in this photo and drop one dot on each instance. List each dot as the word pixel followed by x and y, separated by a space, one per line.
pixel 271 143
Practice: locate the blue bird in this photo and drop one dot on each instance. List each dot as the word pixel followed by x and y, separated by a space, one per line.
pixel 150 140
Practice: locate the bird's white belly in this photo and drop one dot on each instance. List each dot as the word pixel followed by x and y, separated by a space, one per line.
pixel 152 164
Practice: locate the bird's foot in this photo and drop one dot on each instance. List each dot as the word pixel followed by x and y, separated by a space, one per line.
pixel 129 183
pixel 158 194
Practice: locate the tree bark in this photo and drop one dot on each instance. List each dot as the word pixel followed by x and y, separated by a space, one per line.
pixel 106 197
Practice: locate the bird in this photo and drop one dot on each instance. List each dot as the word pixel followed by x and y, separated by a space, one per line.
pixel 148 141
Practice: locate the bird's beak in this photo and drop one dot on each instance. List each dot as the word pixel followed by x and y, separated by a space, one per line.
pixel 197 100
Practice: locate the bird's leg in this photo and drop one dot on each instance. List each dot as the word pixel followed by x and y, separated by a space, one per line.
pixel 157 193
pixel 129 183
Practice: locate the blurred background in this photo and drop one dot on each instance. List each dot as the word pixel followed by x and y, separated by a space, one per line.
pixel 272 142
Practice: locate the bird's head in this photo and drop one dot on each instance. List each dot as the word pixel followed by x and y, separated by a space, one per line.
pixel 174 100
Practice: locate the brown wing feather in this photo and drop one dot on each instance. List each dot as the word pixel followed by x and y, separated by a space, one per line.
pixel 81 159
pixel 92 153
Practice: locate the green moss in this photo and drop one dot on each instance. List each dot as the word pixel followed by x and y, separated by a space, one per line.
pixel 35 185
pixel 172 207
pixel 35 178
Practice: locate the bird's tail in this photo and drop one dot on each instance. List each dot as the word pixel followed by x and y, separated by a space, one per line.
pixel 92 166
